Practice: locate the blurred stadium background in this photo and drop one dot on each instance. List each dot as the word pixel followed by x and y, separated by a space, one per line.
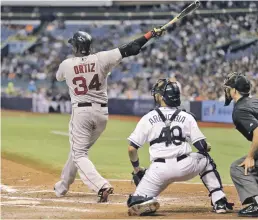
pixel 198 51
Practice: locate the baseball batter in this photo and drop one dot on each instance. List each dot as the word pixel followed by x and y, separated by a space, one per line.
pixel 170 132
pixel 86 76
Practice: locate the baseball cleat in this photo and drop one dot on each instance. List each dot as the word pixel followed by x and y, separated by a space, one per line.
pixel 59 194
pixel 222 206
pixel 104 193
pixel 249 211
pixel 60 189
pixel 144 209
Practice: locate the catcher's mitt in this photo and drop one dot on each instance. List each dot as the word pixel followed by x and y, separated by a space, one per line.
pixel 138 176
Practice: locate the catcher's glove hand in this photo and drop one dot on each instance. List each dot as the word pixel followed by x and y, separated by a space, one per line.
pixel 138 176
pixel 158 32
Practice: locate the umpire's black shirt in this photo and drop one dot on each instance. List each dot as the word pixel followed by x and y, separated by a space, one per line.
pixel 245 116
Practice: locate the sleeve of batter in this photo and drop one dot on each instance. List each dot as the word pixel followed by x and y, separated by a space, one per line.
pixel 60 74
pixel 109 59
pixel 195 132
pixel 140 134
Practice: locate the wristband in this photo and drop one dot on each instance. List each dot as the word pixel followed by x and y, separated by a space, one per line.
pixel 135 163
pixel 148 35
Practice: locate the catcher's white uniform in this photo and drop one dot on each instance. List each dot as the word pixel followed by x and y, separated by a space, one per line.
pixel 86 78
pixel 174 162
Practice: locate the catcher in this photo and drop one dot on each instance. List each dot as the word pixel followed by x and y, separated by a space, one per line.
pixel 170 131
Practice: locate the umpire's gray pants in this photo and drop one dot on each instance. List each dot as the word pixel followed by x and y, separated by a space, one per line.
pixel 247 186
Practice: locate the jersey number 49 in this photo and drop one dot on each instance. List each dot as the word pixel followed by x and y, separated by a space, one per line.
pixel 82 87
pixel 168 135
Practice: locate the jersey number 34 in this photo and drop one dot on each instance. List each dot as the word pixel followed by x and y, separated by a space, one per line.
pixel 82 87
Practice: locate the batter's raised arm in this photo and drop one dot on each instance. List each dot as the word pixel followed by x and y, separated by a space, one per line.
pixel 134 47
pixel 109 59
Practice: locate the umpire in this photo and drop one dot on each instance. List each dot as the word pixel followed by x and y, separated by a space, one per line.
pixel 244 171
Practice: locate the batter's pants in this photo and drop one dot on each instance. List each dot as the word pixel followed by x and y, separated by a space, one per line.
pixel 86 125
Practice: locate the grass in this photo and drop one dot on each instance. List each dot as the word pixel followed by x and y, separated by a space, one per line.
pixel 31 138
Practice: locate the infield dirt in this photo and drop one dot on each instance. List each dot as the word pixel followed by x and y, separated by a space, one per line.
pixel 28 193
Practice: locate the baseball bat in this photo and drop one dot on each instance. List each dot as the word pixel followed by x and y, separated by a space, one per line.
pixel 192 7
pixel 189 9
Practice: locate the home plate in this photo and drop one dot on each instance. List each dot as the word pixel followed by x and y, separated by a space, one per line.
pixel 20 202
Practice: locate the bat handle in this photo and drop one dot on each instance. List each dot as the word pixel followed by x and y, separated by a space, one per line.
pixel 165 26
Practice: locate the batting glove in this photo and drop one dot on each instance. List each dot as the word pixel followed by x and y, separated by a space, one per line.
pixel 158 32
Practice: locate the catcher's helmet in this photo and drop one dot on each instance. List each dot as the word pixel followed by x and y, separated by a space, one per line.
pixel 169 91
pixel 81 42
pixel 237 81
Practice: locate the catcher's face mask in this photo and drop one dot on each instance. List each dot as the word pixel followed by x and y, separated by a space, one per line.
pixel 229 83
pixel 169 91
pixel 228 97
pixel 158 88
pixel 237 81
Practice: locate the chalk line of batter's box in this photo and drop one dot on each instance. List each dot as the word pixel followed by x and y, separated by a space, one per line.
pixel 70 192
pixel 67 200
pixel 161 198
pixel 13 189
pixel 20 202
pixel 67 209
pixel 101 138
pixel 8 189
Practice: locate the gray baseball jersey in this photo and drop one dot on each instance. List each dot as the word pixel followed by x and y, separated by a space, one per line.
pixel 86 76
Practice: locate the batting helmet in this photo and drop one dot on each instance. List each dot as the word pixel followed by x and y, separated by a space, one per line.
pixel 237 81
pixel 81 42
pixel 169 92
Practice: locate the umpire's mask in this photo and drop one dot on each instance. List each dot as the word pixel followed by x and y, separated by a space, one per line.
pixel 237 81
pixel 169 92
